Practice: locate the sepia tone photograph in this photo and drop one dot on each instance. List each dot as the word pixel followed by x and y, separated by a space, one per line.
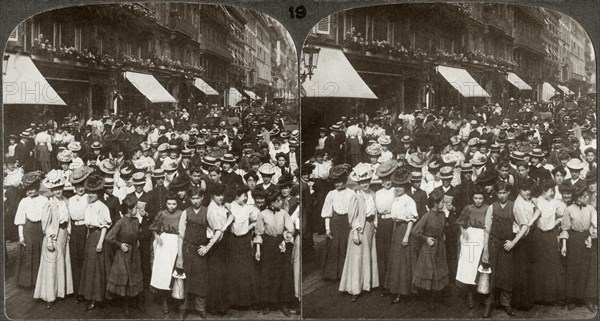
pixel 449 164
pixel 151 164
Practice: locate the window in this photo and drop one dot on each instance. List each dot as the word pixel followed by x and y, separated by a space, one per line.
pixel 77 39
pixel 324 26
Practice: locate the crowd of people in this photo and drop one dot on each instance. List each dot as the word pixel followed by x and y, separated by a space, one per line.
pixel 500 203
pixel 199 208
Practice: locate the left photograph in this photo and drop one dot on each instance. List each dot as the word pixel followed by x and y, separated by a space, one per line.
pixel 151 164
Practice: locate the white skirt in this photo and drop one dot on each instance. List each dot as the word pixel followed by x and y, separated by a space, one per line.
pixel 165 254
pixel 470 255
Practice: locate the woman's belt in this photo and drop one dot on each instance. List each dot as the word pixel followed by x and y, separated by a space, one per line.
pixel 385 216
pixel 176 233
pixel 370 218
pixel 78 223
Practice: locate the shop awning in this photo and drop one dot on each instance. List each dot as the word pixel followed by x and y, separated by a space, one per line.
pixel 565 90
pixel 517 81
pixel 547 91
pixel 252 95
pixel 204 87
pixel 234 97
pixel 335 77
pixel 24 84
pixel 462 81
pixel 149 87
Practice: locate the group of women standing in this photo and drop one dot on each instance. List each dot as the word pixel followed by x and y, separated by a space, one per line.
pixel 536 249
pixel 207 255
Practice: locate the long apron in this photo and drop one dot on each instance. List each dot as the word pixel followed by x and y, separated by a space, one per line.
pixel 242 276
pixel 29 256
pixel 272 269
pixel 470 255
pixel 383 239
pixel 578 265
pixel 165 254
pixel 548 271
pixel 77 253
pixel 195 266
pixel 338 244
pixel 501 261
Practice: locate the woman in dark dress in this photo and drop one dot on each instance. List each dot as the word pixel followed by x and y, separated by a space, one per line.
pixel 125 276
pixel 431 272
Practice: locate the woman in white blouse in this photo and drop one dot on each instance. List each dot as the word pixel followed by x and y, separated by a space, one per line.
pixel 54 276
pixel 403 257
pixel 360 268
pixel 241 270
pixel 97 219
pixel 28 219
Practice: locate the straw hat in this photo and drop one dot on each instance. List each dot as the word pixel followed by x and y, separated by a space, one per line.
pixel 361 172
pixel 54 179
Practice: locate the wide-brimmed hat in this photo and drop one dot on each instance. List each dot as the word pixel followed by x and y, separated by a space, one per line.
pixel 473 141
pixel 433 165
pixel 80 174
pixel 138 178
pixel 295 133
pixel 575 164
pixel 537 153
pixel 170 166
pixel 466 167
pixel 416 176
pixel 401 176
pixel 163 147
pixel 446 172
pixel 285 180
pixel 65 156
pixel 107 166
pixel 284 134
pixel 339 172
pixel 517 155
pixel 96 145
pixel 94 183
pixel 415 160
pixel 591 176
pixel 180 183
pixel 478 160
pixel 384 140
pixel 145 146
pixel 228 158
pixel 74 146
pixel 386 168
pixel 209 160
pixel 32 178
pixel 158 173
pixel 495 147
pixel 487 178
pixel 267 169
pixel 454 140
pixel 54 179
pixel 373 150
pixel 406 139
pixel 109 182
pixel 362 172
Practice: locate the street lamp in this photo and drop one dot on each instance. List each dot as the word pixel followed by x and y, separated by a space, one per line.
pixel 310 57
pixel 5 64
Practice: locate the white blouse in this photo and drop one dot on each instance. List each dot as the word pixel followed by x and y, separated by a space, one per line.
pixel 97 215
pixel 30 208
pixel 243 216
pixel 384 199
pixel 404 208
pixel 336 201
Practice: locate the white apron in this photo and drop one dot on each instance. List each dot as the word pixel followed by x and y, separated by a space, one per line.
pixel 470 255
pixel 165 255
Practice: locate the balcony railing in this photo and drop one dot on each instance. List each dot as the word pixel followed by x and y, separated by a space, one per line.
pixel 529 43
pixel 179 24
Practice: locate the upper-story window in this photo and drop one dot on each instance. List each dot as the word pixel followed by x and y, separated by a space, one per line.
pixel 324 26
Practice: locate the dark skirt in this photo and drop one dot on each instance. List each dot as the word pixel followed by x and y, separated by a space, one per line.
pixel 272 271
pixel 337 247
pixel 196 270
pixel 578 265
pixel 28 262
pixel 125 276
pixel 402 262
pixel 383 241
pixel 93 274
pixel 501 264
pixel 77 252
pixel 431 272
pixel 523 291
pixel 242 276
pixel 13 197
pixel 216 298
pixel 548 274
pixel 592 288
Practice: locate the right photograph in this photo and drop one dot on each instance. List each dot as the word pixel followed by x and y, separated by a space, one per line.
pixel 448 164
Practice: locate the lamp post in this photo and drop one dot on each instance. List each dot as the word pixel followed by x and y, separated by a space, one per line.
pixel 310 58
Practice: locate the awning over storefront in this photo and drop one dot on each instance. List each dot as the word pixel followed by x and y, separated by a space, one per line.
pixel 565 90
pixel 336 78
pixel 24 84
pixel 252 95
pixel 547 91
pixel 234 97
pixel 517 81
pixel 204 87
pixel 149 87
pixel 462 81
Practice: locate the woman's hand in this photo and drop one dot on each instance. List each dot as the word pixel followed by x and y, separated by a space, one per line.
pixel 508 245
pixel 22 241
pixel 328 234
pixel 563 250
pixel 356 238
pixel 405 241
pixel 430 241
pixel 50 246
pixel 257 255
pixel 124 247
pixel 99 248
pixel 202 250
